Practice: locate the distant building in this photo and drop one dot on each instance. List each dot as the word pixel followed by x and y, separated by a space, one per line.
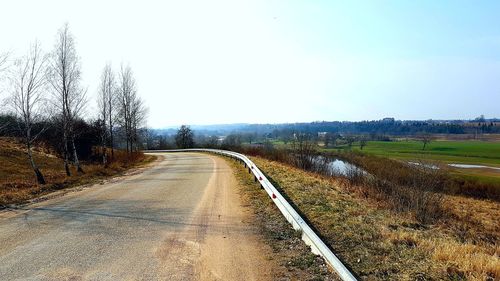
pixel 256 144
pixel 388 120
pixel 322 134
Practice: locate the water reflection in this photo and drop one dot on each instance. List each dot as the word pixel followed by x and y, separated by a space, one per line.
pixel 336 167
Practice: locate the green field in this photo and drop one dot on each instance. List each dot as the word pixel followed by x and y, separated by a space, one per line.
pixel 458 152
pixel 463 152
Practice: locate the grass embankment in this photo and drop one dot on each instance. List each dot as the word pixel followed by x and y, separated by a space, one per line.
pixel 18 183
pixel 456 152
pixel 292 255
pixel 380 244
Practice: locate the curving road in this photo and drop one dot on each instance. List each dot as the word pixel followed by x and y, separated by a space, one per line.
pixel 180 219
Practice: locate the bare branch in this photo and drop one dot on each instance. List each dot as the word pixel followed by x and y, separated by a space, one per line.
pixel 3 69
pixel 4 59
pixel 132 112
pixel 68 95
pixel 106 106
pixel 28 101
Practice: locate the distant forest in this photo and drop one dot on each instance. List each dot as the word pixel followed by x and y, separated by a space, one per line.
pixel 386 126
pixel 392 127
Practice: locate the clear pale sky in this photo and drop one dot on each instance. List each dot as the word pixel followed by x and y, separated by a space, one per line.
pixel 208 62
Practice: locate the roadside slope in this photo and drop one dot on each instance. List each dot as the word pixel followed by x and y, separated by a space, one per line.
pixel 18 183
pixel 378 244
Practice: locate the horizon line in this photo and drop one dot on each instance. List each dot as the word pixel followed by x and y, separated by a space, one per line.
pixel 495 119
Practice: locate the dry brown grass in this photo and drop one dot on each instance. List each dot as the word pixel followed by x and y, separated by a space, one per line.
pixel 466 260
pixel 18 183
pixel 295 260
pixel 380 244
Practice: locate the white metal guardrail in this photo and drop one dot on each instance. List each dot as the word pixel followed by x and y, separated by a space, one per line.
pixel 318 247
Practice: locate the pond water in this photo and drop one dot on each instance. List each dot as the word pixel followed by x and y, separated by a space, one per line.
pixel 454 165
pixel 339 167
pixel 469 166
pixel 434 167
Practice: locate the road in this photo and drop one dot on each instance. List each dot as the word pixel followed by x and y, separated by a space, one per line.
pixel 180 219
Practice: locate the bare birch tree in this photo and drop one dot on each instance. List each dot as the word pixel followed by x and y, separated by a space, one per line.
pixel 106 105
pixel 139 114
pixel 132 111
pixel 127 92
pixel 3 62
pixel 3 67
pixel 112 110
pixel 28 85
pixel 69 96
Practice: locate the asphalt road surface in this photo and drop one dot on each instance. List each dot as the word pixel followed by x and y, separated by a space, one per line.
pixel 180 219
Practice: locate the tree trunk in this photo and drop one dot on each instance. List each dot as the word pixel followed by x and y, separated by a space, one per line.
pixel 104 146
pixel 104 156
pixel 66 154
pixel 75 156
pixel 111 144
pixel 39 176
